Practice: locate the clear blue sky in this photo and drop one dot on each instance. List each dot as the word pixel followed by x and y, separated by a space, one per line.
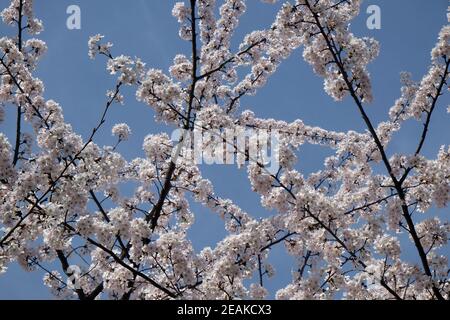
pixel 145 28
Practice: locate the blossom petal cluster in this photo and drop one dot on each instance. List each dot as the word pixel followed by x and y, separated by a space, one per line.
pixel 124 224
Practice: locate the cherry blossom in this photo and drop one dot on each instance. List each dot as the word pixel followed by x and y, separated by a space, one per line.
pixel 122 131
pixel 346 226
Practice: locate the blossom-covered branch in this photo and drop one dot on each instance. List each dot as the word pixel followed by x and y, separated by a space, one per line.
pixel 64 210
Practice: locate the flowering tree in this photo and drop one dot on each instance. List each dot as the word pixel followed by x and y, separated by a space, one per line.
pixel 341 224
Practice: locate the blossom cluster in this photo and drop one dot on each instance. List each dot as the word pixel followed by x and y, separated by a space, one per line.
pixel 63 196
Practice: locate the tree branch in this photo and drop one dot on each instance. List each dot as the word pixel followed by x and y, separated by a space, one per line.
pixel 397 184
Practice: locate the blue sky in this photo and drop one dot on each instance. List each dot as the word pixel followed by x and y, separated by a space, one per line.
pixel 145 28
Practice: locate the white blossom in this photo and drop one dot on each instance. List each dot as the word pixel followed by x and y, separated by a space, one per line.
pixel 125 224
pixel 121 131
